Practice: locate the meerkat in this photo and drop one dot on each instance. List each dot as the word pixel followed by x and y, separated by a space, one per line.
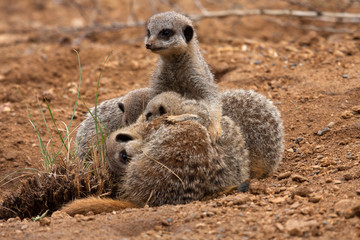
pixel 258 118
pixel 174 162
pixel 181 67
pixel 112 114
pixel 261 126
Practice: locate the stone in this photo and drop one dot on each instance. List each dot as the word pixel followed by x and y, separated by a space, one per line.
pixel 302 191
pixel 299 227
pixel 347 114
pixel 298 178
pixel 293 228
pixel 347 208
pixel 315 198
pixel 45 221
pixel 257 188
pixel 284 175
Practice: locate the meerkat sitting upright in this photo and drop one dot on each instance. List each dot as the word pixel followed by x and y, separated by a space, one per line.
pixel 258 118
pixel 172 162
pixel 181 67
pixel 112 114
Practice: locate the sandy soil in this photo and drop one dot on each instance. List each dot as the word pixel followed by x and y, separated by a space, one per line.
pixel 313 78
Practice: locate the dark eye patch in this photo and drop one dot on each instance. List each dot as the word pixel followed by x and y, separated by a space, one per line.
pixel 166 33
pixel 147 32
pixel 124 157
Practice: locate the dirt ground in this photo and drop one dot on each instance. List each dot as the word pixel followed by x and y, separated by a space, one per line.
pixel 312 76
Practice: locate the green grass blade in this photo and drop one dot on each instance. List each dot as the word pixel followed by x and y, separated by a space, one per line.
pixel 78 93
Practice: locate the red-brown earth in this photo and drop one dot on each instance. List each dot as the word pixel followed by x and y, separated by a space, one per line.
pixel 312 76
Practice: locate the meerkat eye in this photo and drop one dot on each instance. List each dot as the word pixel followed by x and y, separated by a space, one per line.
pixel 147 32
pixel 166 33
pixel 124 156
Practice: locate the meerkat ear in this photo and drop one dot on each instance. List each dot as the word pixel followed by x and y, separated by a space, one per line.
pixel 121 106
pixel 188 33
pixel 123 137
pixel 162 110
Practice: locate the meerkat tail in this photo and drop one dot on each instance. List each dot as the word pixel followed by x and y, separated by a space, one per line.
pixel 96 205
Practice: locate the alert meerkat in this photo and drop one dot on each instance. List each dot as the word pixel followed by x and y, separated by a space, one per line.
pixel 181 67
pixel 259 121
pixel 175 161
pixel 112 114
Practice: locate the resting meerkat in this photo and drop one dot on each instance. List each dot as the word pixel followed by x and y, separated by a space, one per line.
pixel 174 162
pixel 258 118
pixel 113 114
pixel 181 67
pixel 259 121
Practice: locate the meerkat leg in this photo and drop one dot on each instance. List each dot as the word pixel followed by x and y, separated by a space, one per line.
pixel 215 125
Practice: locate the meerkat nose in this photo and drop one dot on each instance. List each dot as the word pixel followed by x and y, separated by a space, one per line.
pixel 148 46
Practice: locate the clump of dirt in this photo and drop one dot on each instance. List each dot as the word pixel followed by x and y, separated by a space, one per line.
pixel 50 191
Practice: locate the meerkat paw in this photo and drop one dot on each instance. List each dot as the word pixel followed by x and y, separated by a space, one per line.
pixel 181 118
pixel 215 130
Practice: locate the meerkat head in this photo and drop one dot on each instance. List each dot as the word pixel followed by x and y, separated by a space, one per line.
pixel 164 103
pixel 121 146
pixel 168 33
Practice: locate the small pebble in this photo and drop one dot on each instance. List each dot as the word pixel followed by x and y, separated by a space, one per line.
pixel 45 221
pixel 358 192
pixel 298 140
pixel 345 76
pixel 315 198
pixel 328 180
pixel 284 175
pixel 244 186
pixel 298 178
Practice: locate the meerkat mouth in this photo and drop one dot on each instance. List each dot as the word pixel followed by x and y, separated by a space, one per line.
pixel 158 49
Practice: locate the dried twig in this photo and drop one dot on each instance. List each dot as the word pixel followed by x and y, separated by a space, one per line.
pixel 311 27
pixel 319 16
pixel 200 6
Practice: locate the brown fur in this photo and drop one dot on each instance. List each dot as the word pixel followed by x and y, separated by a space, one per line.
pixel 257 117
pixel 174 148
pixel 259 122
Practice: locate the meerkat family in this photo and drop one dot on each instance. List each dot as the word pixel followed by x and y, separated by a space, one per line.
pixel 257 118
pixel 189 141
pixel 171 162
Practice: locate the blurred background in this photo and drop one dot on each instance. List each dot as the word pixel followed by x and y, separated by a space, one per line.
pixel 122 21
